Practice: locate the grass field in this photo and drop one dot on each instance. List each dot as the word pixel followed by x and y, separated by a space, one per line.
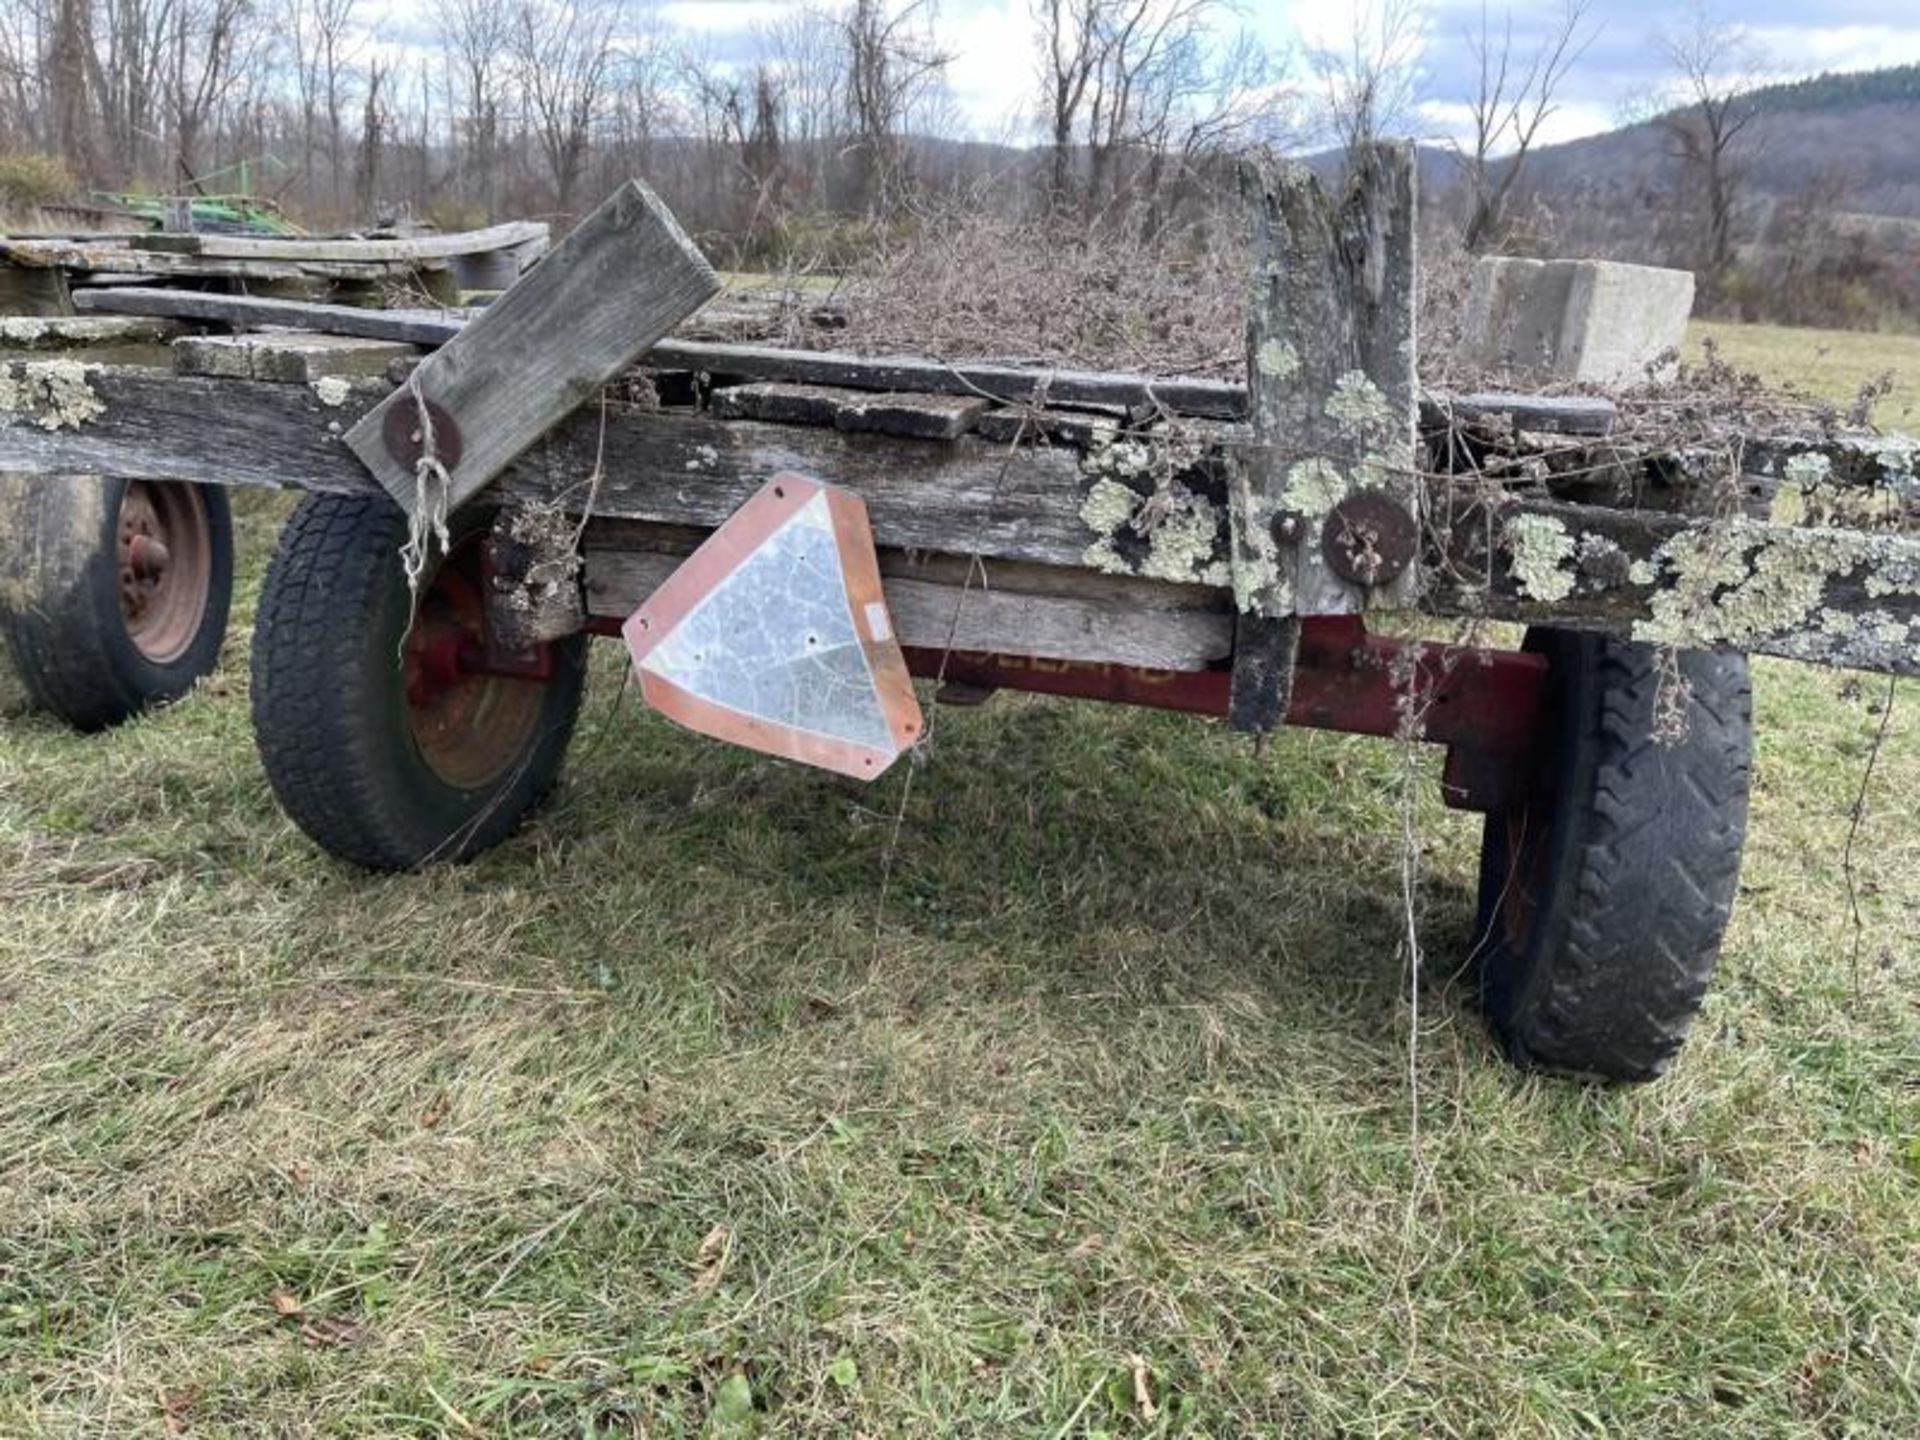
pixel 1833 363
pixel 656 1122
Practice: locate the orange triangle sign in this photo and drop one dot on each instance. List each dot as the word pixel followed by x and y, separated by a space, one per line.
pixel 774 634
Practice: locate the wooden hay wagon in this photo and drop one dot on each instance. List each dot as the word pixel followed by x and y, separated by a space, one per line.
pixel 1190 544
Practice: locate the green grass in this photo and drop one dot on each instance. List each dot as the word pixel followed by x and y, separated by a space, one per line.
pixel 655 1117
pixel 1833 363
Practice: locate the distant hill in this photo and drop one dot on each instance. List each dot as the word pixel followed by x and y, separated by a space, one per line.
pixel 1854 136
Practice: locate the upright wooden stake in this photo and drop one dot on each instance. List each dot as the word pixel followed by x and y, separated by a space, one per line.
pixel 1324 504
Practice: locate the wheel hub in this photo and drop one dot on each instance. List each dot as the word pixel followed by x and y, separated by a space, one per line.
pixel 165 565
pixel 472 720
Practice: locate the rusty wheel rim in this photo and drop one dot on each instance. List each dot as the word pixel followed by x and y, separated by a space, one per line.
pixel 164 564
pixel 471 729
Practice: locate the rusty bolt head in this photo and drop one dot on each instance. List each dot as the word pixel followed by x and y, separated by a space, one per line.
pixel 401 433
pixel 1368 539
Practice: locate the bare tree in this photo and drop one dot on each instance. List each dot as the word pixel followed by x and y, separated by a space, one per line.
pixel 1709 134
pixel 476 38
pixel 325 48
pixel 1367 82
pixel 67 62
pixel 374 122
pixel 1513 100
pixel 1071 46
pixel 563 53
pixel 1149 89
pixel 211 44
pixel 803 49
pixel 891 60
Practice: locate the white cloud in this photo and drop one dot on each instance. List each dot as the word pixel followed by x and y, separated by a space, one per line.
pixel 732 18
pixel 1810 49
pixel 992 77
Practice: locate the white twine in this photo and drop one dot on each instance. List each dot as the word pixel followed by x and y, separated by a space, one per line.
pixel 432 487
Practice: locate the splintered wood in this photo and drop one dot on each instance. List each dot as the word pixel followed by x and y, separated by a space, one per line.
pixel 1324 503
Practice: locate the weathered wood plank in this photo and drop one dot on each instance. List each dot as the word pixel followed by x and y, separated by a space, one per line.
pixel 1202 399
pixel 1080 428
pixel 411 250
pixel 298 359
pixel 621 280
pixel 1011 384
pixel 1005 384
pixel 1553 414
pixel 1843 597
pixel 913 417
pixel 1836 596
pixel 55 334
pixel 1056 615
pixel 120 259
pixel 673 467
pixel 779 402
pixel 1334 398
pixel 411 327
pixel 60 417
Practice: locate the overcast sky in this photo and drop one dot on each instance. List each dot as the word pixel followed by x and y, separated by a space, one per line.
pixel 992 77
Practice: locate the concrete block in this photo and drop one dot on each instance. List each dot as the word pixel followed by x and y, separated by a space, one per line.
pixel 1592 320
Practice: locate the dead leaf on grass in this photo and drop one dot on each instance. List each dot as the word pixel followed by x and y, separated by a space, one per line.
pixel 285 1303
pixel 326 1334
pixel 1142 1396
pixel 174 1408
pixel 711 1259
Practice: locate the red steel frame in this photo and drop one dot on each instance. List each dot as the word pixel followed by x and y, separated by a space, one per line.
pixel 1483 705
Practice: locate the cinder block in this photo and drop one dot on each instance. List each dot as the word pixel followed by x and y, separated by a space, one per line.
pixel 1592 320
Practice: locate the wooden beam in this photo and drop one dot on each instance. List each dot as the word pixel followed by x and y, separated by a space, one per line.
pixel 1552 414
pixel 83 332
pixel 913 417
pixel 298 359
pixel 1837 596
pixel 431 328
pixel 1335 402
pixel 1008 609
pixel 1007 384
pixel 621 280
pixel 670 466
pixel 121 259
pixel 60 417
pixel 1199 398
pixel 1021 384
pixel 1840 596
pixel 410 251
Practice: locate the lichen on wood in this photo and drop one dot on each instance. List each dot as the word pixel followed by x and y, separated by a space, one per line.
pixel 1166 532
pixel 1738 584
pixel 332 390
pixel 52 394
pixel 1540 556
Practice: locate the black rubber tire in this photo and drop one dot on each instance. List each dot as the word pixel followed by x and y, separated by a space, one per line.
pixel 60 600
pixel 330 706
pixel 1603 899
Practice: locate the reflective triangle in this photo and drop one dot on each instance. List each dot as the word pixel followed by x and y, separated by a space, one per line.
pixel 774 634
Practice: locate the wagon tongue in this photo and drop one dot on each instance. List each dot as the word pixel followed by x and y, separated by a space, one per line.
pixel 774 634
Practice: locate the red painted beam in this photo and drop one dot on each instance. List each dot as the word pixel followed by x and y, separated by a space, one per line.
pixel 1484 705
pixel 1345 680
